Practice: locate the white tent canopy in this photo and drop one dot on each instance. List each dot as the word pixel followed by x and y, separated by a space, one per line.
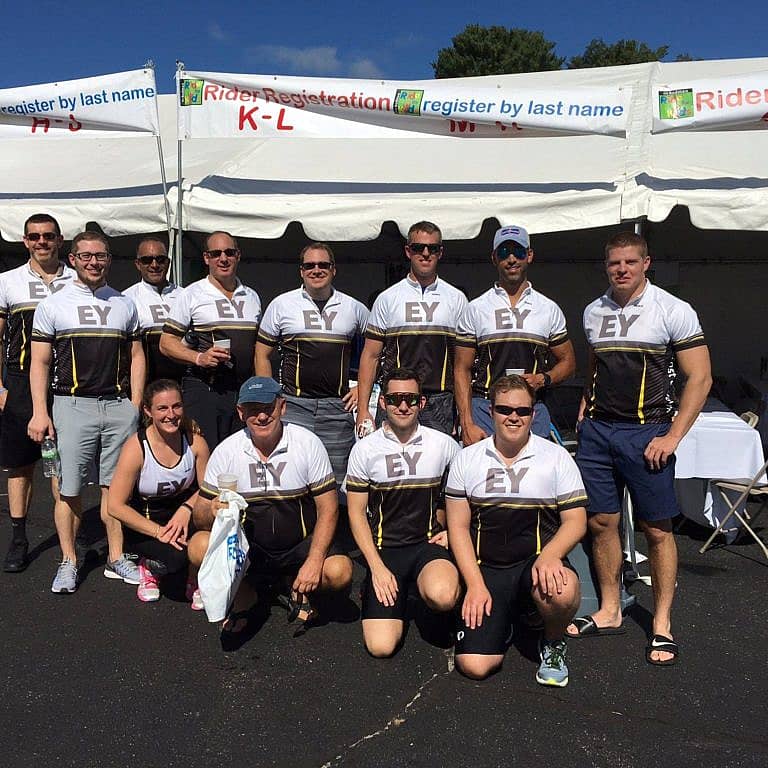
pixel 344 189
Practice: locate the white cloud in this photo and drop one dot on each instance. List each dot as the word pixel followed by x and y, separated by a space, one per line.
pixel 365 68
pixel 215 32
pixel 319 60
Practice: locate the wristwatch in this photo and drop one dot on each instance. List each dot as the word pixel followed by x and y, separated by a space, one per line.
pixel 547 379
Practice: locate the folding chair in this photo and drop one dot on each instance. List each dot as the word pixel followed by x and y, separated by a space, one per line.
pixel 758 487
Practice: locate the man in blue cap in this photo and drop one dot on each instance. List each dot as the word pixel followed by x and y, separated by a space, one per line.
pixel 284 474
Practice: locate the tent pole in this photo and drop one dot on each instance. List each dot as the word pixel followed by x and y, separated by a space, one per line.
pixel 178 251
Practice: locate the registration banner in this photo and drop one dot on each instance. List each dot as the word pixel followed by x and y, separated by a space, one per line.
pixel 119 105
pixel 215 104
pixel 736 102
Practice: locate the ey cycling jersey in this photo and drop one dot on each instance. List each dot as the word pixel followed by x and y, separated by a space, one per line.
pixel 315 345
pixel 21 290
pixel 418 329
pixel 403 483
pixel 91 335
pixel 509 339
pixel 209 315
pixel 281 490
pixel 153 307
pixel 515 510
pixel 634 348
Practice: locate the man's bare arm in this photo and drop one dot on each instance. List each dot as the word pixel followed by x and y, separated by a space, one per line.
pixel 138 373
pixel 261 362
pixel 369 362
pixel 39 371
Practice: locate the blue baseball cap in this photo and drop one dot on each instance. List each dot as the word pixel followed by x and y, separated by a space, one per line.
pixel 259 389
pixel 515 233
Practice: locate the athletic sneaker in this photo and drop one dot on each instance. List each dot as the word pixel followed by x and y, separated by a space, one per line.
pixel 65 580
pixel 16 560
pixel 148 590
pixel 553 669
pixel 192 593
pixel 123 568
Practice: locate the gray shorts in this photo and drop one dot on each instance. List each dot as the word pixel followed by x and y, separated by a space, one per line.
pixel 87 427
pixel 326 417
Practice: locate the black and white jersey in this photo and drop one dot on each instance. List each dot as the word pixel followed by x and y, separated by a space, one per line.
pixel 403 482
pixel 515 510
pixel 418 329
pixel 205 311
pixel 507 338
pixel 634 348
pixel 280 491
pixel 21 290
pixel 315 345
pixel 91 335
pixel 154 307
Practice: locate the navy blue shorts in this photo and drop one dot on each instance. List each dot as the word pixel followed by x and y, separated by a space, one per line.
pixel 610 458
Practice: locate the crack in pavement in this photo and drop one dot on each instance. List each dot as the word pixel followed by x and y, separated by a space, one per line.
pixel 397 719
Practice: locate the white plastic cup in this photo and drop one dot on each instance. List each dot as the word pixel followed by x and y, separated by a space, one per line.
pixel 222 344
pixel 227 482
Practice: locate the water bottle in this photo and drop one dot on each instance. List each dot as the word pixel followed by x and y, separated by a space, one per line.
pixel 50 454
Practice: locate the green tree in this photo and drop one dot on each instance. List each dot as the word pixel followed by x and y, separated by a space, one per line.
pixel 601 54
pixel 496 51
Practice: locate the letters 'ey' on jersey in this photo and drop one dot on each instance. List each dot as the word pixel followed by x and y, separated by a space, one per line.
pixel 418 329
pixel 509 338
pixel 280 491
pixel 315 346
pixel 205 310
pixel 21 290
pixel 91 333
pixel 403 482
pixel 515 511
pixel 634 348
pixel 154 307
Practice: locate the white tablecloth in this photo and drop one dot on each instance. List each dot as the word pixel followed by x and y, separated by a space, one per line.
pixel 720 446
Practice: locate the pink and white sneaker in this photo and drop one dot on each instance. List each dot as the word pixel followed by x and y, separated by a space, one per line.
pixel 148 590
pixel 193 595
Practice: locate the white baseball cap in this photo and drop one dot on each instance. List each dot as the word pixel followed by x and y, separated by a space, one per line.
pixel 515 233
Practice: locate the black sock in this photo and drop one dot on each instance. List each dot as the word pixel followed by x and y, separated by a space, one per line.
pixel 19 528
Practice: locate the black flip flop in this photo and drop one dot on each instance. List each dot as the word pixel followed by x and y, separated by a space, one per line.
pixel 664 644
pixel 232 618
pixel 586 626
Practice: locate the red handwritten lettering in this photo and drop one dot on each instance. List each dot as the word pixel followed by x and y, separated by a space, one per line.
pixel 282 126
pixel 44 123
pixel 247 116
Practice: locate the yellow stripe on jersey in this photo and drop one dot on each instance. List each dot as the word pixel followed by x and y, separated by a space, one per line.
pixel 445 370
pixel 303 524
pixel 341 374
pixel 593 395
pixel 538 532
pixel 488 373
pixel 74 367
pixel 641 398
pixel 431 515
pixel 298 366
pixel 23 345
pixel 397 346
pixel 380 532
pixel 477 544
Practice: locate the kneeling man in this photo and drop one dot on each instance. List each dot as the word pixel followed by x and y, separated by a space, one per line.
pixel 516 508
pixel 284 474
pixel 394 478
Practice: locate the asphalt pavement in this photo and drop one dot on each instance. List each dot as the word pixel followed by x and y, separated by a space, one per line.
pixel 99 679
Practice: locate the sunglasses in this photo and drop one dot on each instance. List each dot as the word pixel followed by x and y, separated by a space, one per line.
pixel 508 410
pixel 100 256
pixel 147 260
pixel 418 248
pixel 217 253
pixel 411 399
pixel 308 265
pixel 49 237
pixel 505 250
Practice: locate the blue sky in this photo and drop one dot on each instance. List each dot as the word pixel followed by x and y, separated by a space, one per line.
pixel 46 41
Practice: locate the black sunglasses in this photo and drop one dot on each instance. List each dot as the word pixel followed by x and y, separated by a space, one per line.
pixel 508 410
pixel 49 237
pixel 411 399
pixel 147 260
pixel 307 265
pixel 418 248
pixel 505 250
pixel 217 253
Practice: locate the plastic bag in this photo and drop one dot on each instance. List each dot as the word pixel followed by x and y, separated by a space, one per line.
pixel 226 559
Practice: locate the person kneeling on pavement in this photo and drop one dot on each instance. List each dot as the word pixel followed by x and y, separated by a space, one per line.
pixel 284 474
pixel 155 488
pixel 516 507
